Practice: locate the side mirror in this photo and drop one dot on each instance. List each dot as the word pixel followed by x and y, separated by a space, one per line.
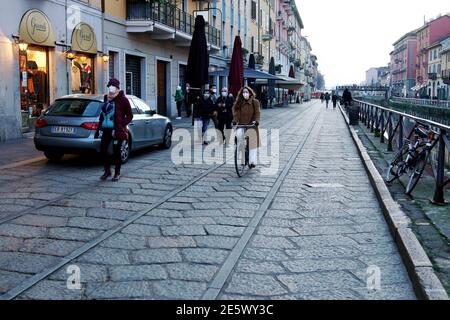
pixel 150 112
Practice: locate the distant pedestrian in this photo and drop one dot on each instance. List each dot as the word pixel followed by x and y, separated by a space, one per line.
pixel 327 98
pixel 247 111
pixel 322 97
pixel 115 116
pixel 188 100
pixel 179 98
pixel 225 114
pixel 264 99
pixel 206 108
pixel 213 94
pixel 302 97
pixel 334 98
pixel 347 97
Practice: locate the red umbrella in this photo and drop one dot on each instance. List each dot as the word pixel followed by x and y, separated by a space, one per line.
pixel 236 75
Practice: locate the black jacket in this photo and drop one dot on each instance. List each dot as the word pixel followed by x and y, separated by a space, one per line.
pixel 224 107
pixel 205 108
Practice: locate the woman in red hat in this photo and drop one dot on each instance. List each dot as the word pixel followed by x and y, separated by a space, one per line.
pixel 115 116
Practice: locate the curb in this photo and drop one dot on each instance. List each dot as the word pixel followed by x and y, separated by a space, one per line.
pixel 426 284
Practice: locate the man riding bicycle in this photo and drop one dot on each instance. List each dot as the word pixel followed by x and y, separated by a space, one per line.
pixel 246 111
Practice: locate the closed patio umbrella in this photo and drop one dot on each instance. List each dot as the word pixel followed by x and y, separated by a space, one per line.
pixel 252 65
pixel 271 83
pixel 236 75
pixel 291 75
pixel 197 73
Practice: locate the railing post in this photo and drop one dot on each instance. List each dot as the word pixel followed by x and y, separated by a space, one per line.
pixel 382 126
pixel 438 197
pixel 400 133
pixel 389 148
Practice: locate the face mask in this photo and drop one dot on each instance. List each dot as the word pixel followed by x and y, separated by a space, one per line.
pixel 214 90
pixel 112 89
pixel 246 96
pixel 224 94
pixel 178 88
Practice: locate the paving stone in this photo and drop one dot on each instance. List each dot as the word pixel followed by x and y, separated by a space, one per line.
pixel 171 242
pixel 401 291
pixel 129 206
pixel 254 284
pixel 142 230
pixel 259 267
pixel 52 290
pixel 120 290
pixel 324 252
pixel 239 213
pixel 179 290
pixel 265 254
pixel 109 213
pixel 10 244
pixel 276 231
pixel 105 256
pixel 183 231
pixel 25 262
pixel 192 272
pixel 176 206
pixel 125 241
pixel 205 256
pixel 61 211
pixel 319 281
pixel 317 265
pixel 76 234
pixel 323 241
pixel 231 221
pixel 88 273
pixel 20 231
pixel 93 223
pixel 324 230
pixel 165 213
pixel 218 242
pixel 50 247
pixel 345 294
pixel 225 230
pixel 271 242
pixel 154 221
pixel 141 273
pixel 80 203
pixel 364 238
pixel 156 256
pixel 41 221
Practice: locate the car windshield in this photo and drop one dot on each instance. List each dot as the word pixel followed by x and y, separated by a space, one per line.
pixel 74 108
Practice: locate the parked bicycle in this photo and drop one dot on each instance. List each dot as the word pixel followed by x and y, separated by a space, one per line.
pixel 413 157
pixel 242 150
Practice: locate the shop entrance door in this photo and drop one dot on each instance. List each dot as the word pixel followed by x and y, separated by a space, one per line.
pixel 161 83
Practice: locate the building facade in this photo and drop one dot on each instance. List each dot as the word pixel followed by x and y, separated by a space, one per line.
pixel 444 92
pixel 403 65
pixel 35 37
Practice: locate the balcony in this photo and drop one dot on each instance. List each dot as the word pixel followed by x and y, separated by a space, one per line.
pixel 266 37
pixel 432 75
pixel 446 76
pixel 166 22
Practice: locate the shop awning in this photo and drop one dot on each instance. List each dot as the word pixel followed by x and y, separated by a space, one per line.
pixel 83 39
pixel 35 28
pixel 248 74
pixel 285 82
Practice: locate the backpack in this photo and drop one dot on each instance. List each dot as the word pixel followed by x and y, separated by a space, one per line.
pixel 108 112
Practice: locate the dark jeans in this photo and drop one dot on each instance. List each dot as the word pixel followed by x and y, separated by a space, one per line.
pixel 224 124
pixel 205 124
pixel 179 106
pixel 188 109
pixel 107 139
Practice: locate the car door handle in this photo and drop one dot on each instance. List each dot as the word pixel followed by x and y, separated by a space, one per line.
pixel 147 122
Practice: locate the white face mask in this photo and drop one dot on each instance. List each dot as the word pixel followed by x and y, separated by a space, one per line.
pixel 246 95
pixel 224 94
pixel 206 96
pixel 178 88
pixel 112 89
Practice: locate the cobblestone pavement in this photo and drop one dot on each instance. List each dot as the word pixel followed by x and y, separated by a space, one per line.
pixel 194 231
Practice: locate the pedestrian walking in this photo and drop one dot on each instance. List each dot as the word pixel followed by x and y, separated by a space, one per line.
pixel 327 98
pixel 247 111
pixel 264 99
pixel 302 97
pixel 225 114
pixel 322 97
pixel 188 100
pixel 206 108
pixel 347 97
pixel 213 94
pixel 179 98
pixel 115 116
pixel 334 98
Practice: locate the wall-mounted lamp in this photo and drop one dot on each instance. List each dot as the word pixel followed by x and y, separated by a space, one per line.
pixel 23 46
pixel 70 55
pixel 105 58
pixel 83 59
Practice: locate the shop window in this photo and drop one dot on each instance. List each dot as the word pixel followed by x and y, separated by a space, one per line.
pixel 34 81
pixel 83 75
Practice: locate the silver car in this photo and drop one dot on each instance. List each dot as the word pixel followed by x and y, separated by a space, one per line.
pixel 70 123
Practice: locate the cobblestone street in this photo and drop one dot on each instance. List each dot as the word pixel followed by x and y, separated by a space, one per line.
pixel 193 231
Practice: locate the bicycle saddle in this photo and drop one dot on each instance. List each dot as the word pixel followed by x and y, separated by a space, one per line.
pixel 421 132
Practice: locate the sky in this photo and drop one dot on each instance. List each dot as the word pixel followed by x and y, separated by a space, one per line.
pixel 351 36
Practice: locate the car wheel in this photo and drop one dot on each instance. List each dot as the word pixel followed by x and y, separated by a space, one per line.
pixel 53 156
pixel 125 150
pixel 167 142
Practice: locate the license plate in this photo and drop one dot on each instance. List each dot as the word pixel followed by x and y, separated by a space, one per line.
pixel 63 130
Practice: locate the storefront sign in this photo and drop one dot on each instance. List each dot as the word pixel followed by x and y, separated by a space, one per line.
pixel 83 39
pixel 35 28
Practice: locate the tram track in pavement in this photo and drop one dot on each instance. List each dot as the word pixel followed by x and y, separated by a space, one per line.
pixel 82 189
pixel 36 278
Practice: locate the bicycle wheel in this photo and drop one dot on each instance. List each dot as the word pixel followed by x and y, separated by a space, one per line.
pixel 395 168
pixel 240 157
pixel 417 172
